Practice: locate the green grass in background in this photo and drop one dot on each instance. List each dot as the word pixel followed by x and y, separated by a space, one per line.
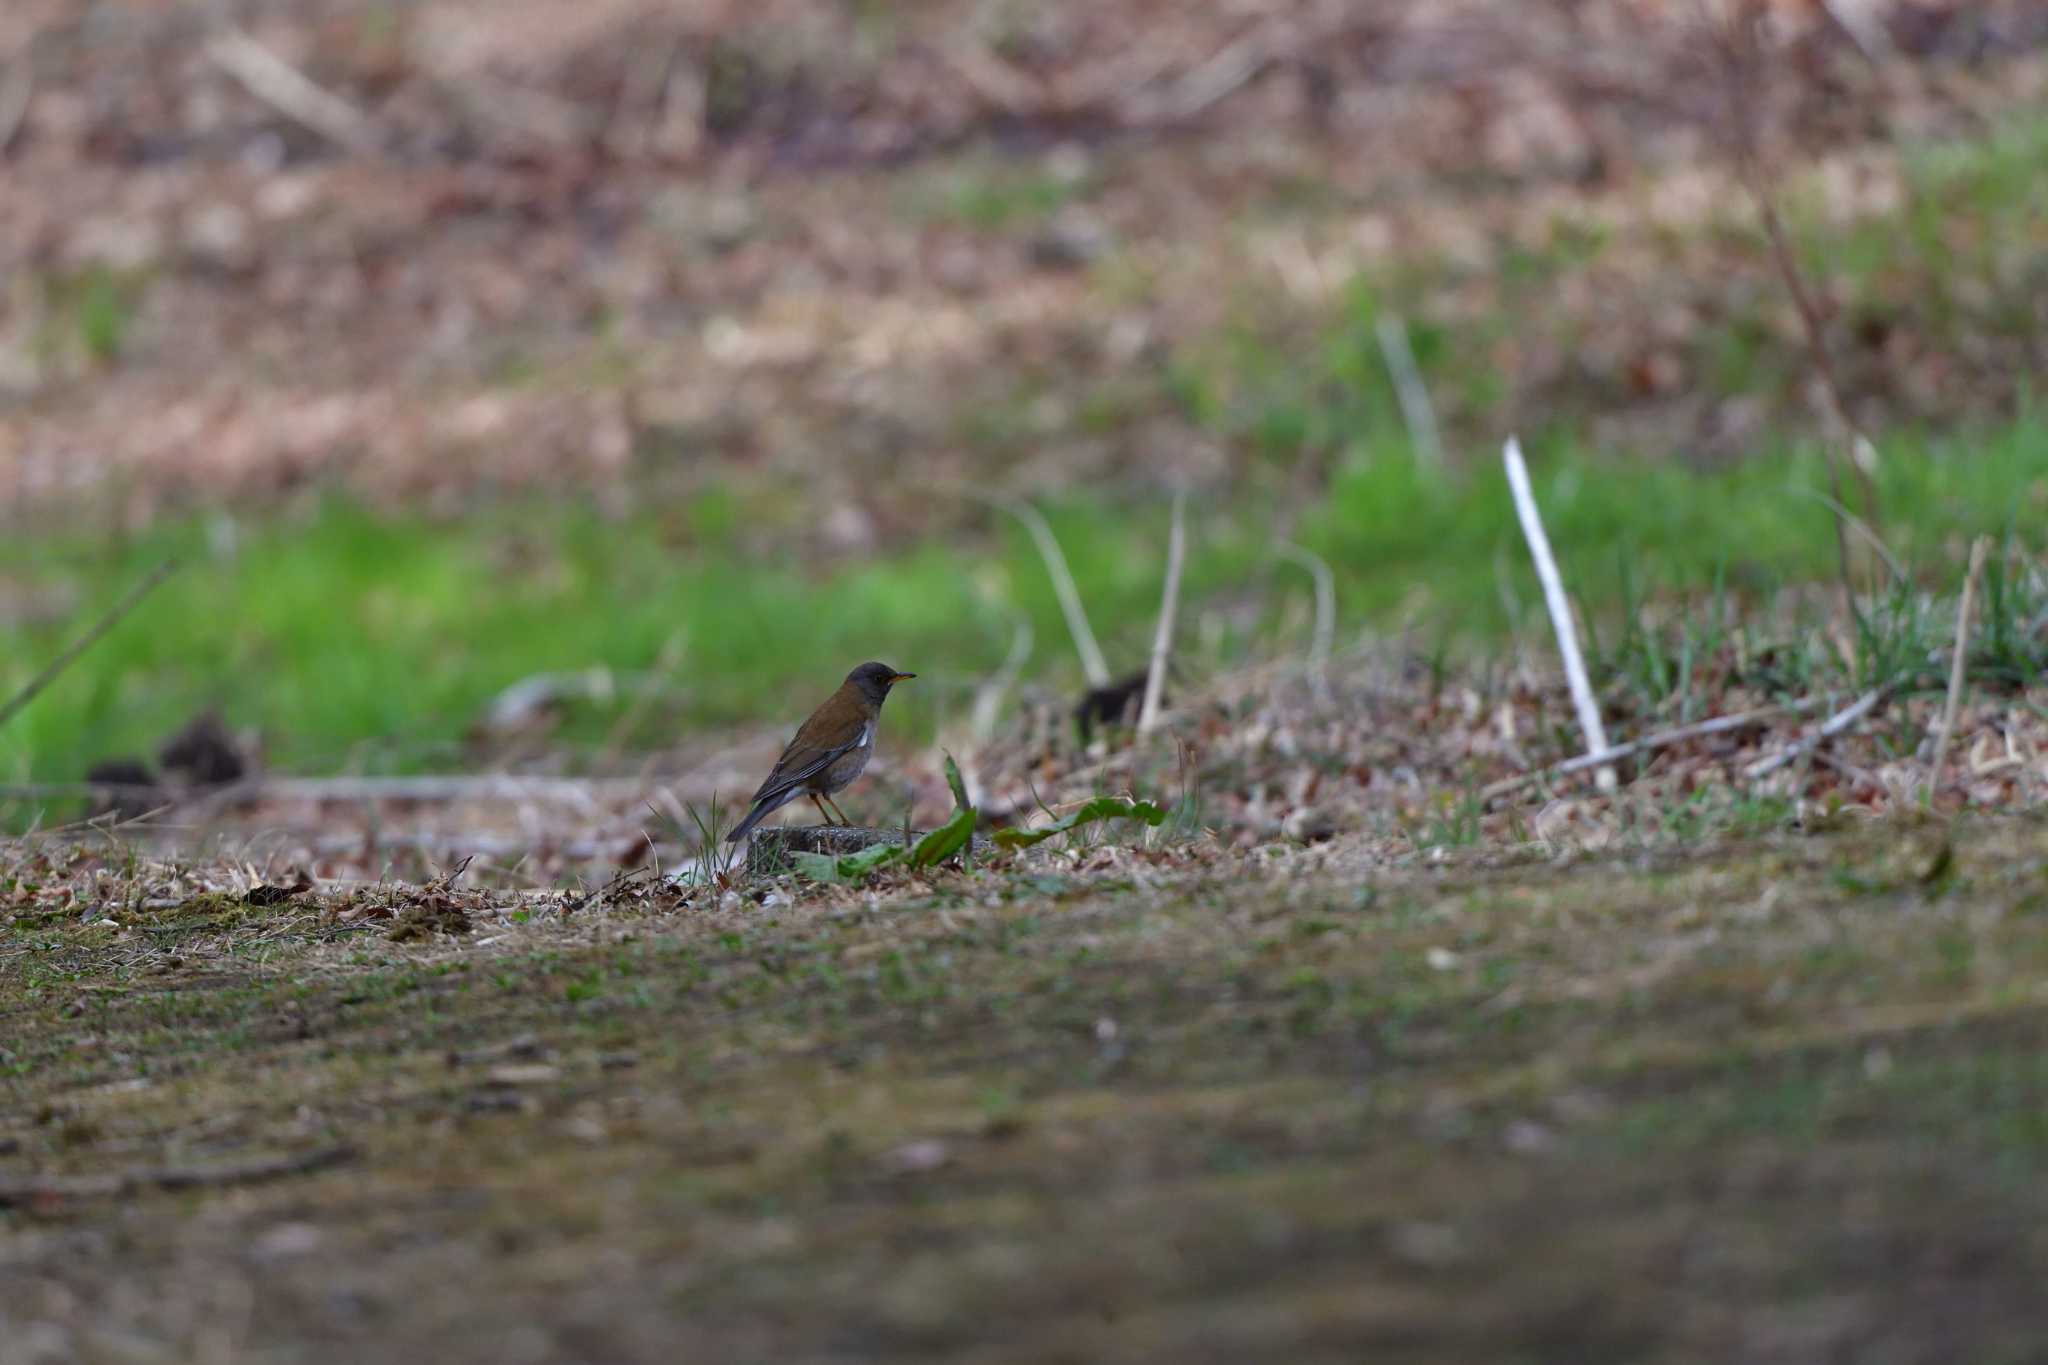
pixel 351 638
pixel 360 640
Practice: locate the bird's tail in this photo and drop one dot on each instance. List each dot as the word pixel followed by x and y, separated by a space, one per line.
pixel 762 810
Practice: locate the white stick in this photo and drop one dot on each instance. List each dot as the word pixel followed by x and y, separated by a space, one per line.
pixel 1326 614
pixel 1956 668
pixel 1092 662
pixel 1560 609
pixel 271 79
pixel 1416 409
pixel 1169 604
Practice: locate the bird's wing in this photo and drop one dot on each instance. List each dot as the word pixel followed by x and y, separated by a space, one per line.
pixel 808 755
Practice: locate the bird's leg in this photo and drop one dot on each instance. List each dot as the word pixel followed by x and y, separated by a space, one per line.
pixel 816 801
pixel 838 812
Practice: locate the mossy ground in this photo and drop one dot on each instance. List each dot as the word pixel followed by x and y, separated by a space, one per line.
pixel 1775 1100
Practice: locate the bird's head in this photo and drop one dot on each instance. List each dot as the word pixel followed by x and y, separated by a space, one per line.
pixel 873 681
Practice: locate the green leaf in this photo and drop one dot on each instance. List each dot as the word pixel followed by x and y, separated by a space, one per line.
pixel 948 839
pixel 846 867
pixel 1101 808
pixel 960 801
pixel 819 867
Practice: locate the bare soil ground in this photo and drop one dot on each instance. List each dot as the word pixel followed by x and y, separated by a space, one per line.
pixel 1776 1101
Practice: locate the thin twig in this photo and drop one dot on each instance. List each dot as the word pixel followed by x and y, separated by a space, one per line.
pixel 74 791
pixel 1863 28
pixel 1169 605
pixel 1663 739
pixel 1324 639
pixel 1740 57
pixel 1834 725
pixel 665 665
pixel 1222 75
pixel 445 846
pixel 13 706
pixel 17 92
pixel 521 110
pixel 432 787
pixel 1957 665
pixel 285 88
pixel 988 698
pixel 1416 409
pixel 1861 528
pixel 16 1193
pixel 1092 663
pixel 1560 608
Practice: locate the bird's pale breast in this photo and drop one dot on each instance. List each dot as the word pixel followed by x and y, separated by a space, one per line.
pixel 843 771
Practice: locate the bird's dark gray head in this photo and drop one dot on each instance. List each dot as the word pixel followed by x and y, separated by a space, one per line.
pixel 875 680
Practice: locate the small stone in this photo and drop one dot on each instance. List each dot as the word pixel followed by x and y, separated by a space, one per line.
pixel 538 1073
pixel 586 1129
pixel 1431 1245
pixel 218 234
pixel 1073 239
pixel 1308 825
pixel 915 1158
pixel 288 1239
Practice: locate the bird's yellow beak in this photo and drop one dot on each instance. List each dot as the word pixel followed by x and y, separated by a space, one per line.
pixel 895 678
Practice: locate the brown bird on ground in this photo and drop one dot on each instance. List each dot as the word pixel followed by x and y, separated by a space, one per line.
pixel 830 749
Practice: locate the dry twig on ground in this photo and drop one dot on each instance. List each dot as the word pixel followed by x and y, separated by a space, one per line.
pixel 48 1189
pixel 1842 720
pixel 1663 739
pixel 285 88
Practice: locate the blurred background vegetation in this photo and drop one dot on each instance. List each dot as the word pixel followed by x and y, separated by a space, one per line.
pixel 693 346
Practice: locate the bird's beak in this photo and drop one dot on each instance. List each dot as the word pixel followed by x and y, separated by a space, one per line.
pixel 895 678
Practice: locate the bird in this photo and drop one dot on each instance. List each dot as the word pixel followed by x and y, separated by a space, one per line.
pixel 830 749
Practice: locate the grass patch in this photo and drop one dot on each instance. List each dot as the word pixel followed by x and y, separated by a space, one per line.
pixel 373 642
pixel 990 194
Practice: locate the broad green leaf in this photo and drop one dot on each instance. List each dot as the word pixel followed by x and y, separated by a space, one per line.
pixel 819 867
pixel 847 867
pixel 1101 808
pixel 948 839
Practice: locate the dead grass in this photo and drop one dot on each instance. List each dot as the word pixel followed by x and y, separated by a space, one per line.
pixel 531 288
